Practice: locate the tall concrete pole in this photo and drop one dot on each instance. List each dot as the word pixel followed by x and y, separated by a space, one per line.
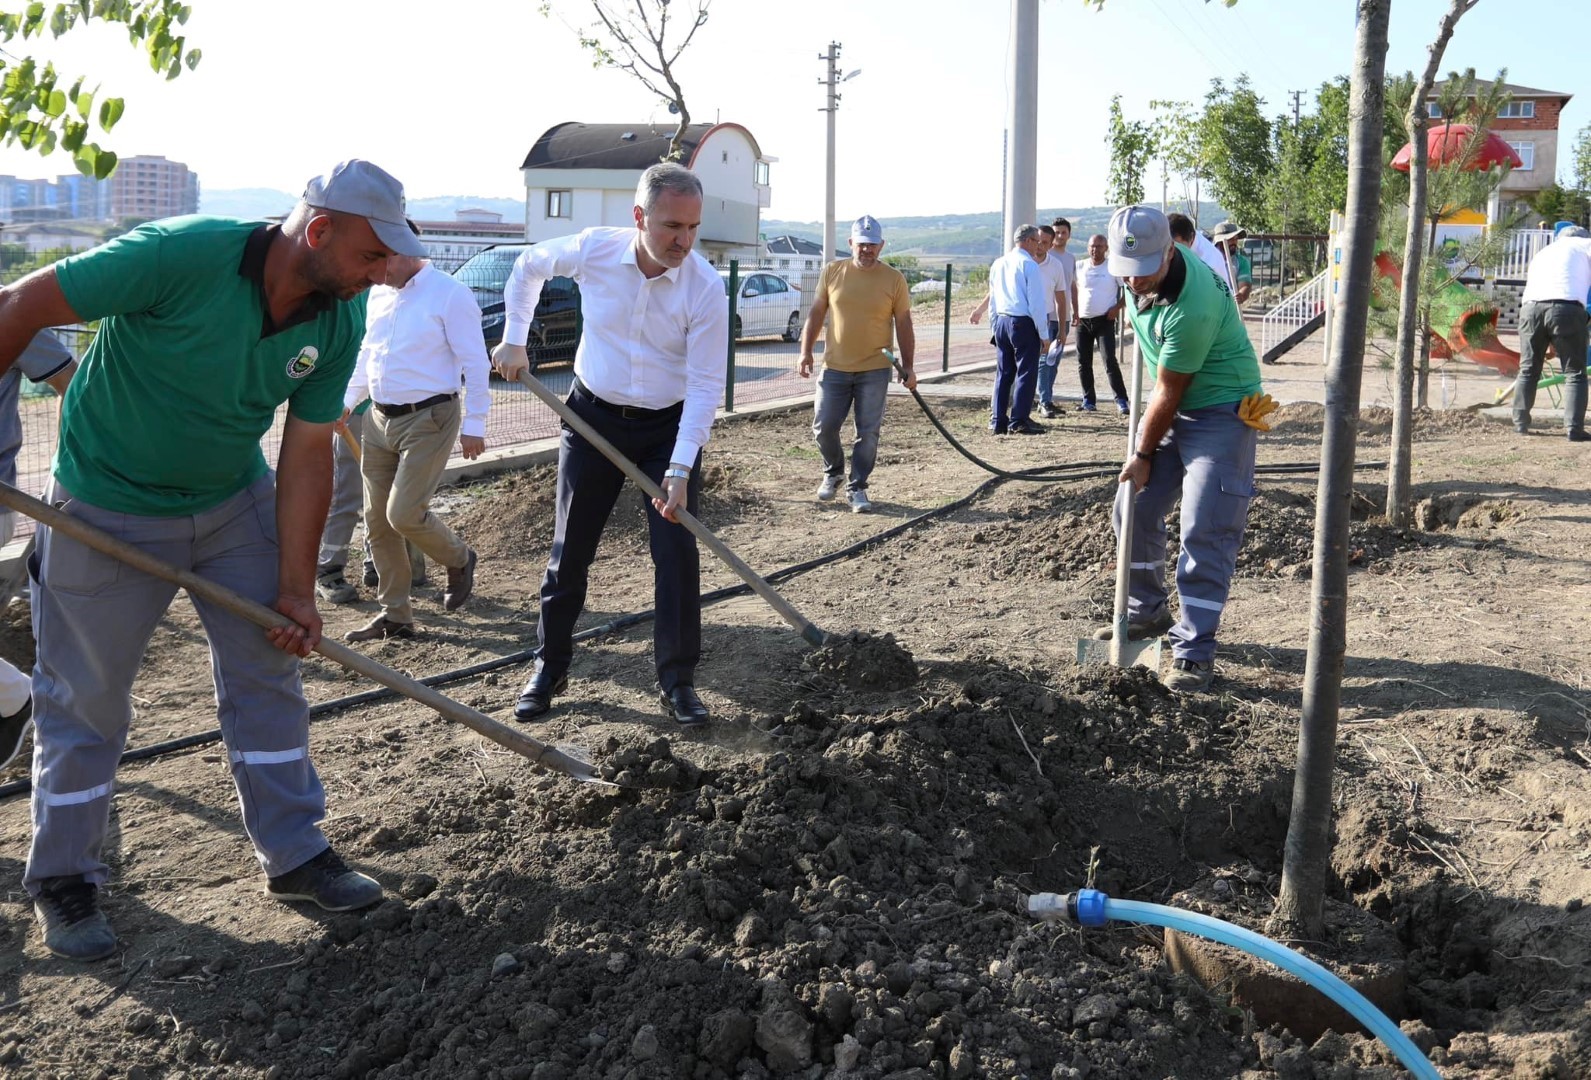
pixel 1022 119
pixel 833 106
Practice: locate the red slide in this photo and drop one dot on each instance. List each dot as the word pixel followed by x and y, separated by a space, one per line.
pixel 1471 322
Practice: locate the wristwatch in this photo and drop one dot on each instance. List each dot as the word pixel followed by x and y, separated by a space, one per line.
pixel 1140 454
pixel 676 474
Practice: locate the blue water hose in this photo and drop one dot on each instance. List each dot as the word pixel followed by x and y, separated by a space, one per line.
pixel 1090 907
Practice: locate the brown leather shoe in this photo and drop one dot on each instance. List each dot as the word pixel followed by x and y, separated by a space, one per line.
pixel 379 629
pixel 460 584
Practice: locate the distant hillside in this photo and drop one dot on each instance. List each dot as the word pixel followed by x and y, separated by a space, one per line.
pixel 266 202
pixel 444 207
pixel 245 202
pixel 963 236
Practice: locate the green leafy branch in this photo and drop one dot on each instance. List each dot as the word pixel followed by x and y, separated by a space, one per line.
pixel 37 113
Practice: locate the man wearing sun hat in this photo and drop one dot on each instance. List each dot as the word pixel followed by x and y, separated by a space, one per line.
pixel 867 306
pixel 1196 439
pixel 1228 237
pixel 207 325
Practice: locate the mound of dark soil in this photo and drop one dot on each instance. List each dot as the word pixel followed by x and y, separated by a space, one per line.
pixel 513 513
pixel 852 901
pixel 1068 536
pixel 863 661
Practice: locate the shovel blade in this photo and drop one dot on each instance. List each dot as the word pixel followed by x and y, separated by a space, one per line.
pixel 1144 653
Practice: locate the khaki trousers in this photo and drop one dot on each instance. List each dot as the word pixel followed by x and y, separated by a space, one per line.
pixel 403 461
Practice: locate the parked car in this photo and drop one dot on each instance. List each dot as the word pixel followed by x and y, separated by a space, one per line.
pixel 768 304
pixel 555 330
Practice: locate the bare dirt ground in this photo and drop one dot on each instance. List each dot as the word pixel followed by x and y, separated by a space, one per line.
pixel 828 880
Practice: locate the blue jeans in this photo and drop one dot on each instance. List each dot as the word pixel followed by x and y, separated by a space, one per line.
pixel 1207 459
pixel 837 392
pixel 1016 377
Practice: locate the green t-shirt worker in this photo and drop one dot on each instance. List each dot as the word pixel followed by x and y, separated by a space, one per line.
pixel 1194 441
pixel 1228 236
pixel 207 325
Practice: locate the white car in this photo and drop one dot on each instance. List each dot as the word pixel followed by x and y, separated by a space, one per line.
pixel 768 305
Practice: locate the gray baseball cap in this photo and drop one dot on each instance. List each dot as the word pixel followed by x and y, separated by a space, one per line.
pixel 867 230
pixel 1138 237
pixel 358 187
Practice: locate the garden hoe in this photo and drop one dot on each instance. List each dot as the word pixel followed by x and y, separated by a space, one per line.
pixel 541 753
pixel 1120 651
pixel 561 409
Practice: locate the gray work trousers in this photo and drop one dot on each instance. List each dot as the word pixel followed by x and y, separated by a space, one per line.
pixel 1563 323
pixel 347 499
pixel 1206 459
pixel 837 393
pixel 93 616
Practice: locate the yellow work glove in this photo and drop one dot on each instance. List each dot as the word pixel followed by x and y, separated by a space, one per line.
pixel 1253 410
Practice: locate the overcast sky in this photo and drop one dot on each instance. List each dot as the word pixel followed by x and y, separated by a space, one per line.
pixel 449 96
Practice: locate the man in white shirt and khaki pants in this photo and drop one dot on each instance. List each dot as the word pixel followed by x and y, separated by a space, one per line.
pixel 422 339
pixel 649 374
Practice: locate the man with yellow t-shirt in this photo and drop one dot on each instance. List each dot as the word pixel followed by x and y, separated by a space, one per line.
pixel 868 308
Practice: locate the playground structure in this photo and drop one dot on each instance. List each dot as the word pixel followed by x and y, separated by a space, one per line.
pixel 1463 323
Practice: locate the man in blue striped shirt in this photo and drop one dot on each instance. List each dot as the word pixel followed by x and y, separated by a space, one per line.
pixel 1019 312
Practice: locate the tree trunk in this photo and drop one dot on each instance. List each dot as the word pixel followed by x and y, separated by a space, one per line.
pixel 1299 908
pixel 1400 474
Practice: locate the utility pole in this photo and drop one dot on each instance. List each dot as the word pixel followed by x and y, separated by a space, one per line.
pixel 1022 120
pixel 1287 205
pixel 833 106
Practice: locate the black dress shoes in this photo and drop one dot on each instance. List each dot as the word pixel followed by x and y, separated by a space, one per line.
pixel 537 696
pixel 685 705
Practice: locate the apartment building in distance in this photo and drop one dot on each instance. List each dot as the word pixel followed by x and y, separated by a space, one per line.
pixel 143 187
pixel 149 186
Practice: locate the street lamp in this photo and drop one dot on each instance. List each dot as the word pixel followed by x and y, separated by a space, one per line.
pixel 833 81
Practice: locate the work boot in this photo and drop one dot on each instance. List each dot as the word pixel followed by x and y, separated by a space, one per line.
pixel 1574 402
pixel 74 926
pixel 460 583
pixel 380 629
pixel 333 588
pixel 1190 676
pixel 371 579
pixel 828 487
pixel 13 729
pixel 1138 631
pixel 327 881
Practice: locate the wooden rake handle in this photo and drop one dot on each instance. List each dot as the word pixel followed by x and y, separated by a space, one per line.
pixel 501 734
pixel 786 611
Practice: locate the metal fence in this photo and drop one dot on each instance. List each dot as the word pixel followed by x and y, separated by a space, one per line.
pixel 761 367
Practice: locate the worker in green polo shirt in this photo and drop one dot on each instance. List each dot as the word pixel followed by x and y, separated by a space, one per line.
pixel 1228 237
pixel 207 326
pixel 1195 440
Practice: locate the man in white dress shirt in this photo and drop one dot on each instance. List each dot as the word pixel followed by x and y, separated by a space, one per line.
pixel 422 339
pixel 1019 314
pixel 649 374
pixel 1553 309
pixel 1186 233
pixel 1098 301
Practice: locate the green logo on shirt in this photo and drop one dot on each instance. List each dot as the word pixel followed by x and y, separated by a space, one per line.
pixel 303 363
